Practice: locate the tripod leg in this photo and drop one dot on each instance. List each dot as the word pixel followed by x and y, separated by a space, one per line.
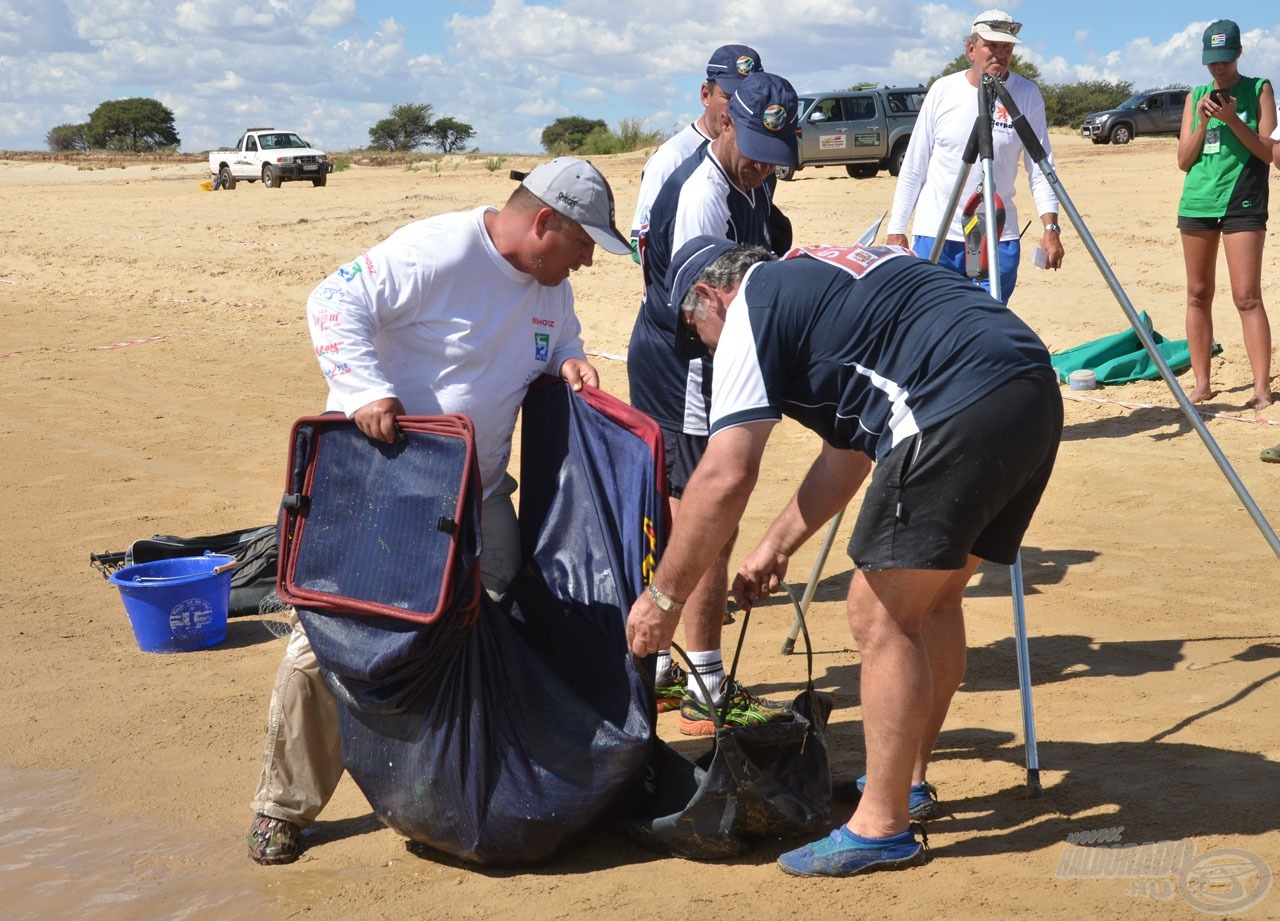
pixel 1034 790
pixel 789 644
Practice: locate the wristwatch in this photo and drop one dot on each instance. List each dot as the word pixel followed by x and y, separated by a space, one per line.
pixel 664 601
pixel 1054 227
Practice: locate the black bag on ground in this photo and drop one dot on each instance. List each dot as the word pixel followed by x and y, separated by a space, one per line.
pixel 255 549
pixel 498 732
pixel 757 782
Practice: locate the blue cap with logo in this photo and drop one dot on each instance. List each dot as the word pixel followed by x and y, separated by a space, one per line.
pixel 689 262
pixel 731 64
pixel 764 111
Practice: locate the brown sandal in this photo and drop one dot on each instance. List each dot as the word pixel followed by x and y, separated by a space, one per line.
pixel 274 841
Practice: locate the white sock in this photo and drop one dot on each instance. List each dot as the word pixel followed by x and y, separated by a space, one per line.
pixel 664 661
pixel 710 666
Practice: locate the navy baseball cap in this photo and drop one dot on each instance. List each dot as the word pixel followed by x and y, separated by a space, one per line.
pixel 687 265
pixel 764 111
pixel 731 64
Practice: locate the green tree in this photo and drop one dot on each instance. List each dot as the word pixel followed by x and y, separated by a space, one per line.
pixel 449 134
pixel 567 134
pixel 1069 103
pixel 1016 64
pixel 408 127
pixel 66 137
pixel 137 124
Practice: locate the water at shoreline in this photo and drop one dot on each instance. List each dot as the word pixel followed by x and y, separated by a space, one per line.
pixel 60 861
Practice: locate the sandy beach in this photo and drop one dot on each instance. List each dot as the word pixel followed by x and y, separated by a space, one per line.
pixel 154 353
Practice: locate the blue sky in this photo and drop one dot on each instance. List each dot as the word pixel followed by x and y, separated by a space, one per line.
pixel 329 69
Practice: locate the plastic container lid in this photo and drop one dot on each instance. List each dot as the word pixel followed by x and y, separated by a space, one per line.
pixel 1082 379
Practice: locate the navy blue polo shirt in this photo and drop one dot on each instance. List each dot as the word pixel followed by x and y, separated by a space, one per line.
pixel 864 362
pixel 697 198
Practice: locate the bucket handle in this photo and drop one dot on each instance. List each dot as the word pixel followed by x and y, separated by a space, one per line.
pixel 217 571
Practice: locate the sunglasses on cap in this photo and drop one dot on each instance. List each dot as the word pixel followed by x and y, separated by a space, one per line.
pixel 1000 25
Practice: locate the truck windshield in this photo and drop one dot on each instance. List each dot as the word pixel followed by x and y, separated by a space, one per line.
pixel 1132 102
pixel 280 141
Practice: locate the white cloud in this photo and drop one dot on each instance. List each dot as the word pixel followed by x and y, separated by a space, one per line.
pixel 507 67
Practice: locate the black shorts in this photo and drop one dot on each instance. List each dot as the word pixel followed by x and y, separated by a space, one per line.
pixel 1232 223
pixel 682 455
pixel 966 486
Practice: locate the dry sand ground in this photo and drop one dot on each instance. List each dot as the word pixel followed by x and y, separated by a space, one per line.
pixel 124 777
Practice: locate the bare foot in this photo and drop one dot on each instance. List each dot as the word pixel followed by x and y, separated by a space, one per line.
pixel 1200 393
pixel 1260 401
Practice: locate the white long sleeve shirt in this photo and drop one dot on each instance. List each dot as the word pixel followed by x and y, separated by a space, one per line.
pixel 436 317
pixel 935 156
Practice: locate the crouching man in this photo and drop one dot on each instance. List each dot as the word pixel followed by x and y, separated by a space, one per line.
pixel 890 359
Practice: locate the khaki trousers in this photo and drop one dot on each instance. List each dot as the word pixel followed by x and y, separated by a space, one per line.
pixel 302 760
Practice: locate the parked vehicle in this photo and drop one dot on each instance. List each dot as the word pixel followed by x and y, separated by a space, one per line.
pixel 1152 112
pixel 272 156
pixel 864 131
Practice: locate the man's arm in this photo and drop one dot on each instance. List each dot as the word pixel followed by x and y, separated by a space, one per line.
pixel 831 482
pixel 1042 191
pixel 713 503
pixel 915 168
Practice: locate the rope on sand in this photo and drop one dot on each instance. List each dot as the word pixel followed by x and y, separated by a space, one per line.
pixel 1206 415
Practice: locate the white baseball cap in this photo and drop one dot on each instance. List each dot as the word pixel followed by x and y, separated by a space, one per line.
pixel 997 26
pixel 580 192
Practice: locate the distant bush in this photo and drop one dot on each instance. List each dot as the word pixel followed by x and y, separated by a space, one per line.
pixel 599 140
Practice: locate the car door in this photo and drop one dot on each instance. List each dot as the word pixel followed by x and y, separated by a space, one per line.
pixel 1149 118
pixel 1177 101
pixel 246 162
pixel 824 135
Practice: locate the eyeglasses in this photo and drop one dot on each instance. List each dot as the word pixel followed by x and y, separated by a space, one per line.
pixel 1000 25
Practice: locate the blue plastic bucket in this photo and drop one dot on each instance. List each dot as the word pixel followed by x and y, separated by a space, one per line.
pixel 177 605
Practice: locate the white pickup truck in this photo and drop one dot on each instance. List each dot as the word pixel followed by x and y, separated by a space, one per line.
pixel 270 155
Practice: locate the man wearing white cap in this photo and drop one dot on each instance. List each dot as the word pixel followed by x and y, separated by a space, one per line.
pixel 728 67
pixel 934 156
pixel 457 313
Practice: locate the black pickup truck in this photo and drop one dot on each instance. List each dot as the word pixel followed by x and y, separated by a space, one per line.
pixel 1152 112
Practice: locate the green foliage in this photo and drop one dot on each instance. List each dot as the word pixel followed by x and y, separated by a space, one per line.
pixel 63 138
pixel 408 127
pixel 631 135
pixel 137 124
pixel 341 162
pixel 493 164
pixel 451 135
pixel 568 134
pixel 864 85
pixel 1016 64
pixel 1069 103
pixel 1065 104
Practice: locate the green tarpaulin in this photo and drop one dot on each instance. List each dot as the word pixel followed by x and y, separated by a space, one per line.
pixel 1120 358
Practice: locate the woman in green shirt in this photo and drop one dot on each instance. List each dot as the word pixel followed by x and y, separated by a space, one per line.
pixel 1225 149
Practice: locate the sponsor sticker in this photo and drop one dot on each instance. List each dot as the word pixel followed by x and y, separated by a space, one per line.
pixel 542 347
pixel 775 116
pixel 745 65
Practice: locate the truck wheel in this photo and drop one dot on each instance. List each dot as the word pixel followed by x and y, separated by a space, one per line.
pixel 899 154
pixel 224 176
pixel 785 173
pixel 319 180
pixel 270 176
pixel 862 170
pixel 1121 134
